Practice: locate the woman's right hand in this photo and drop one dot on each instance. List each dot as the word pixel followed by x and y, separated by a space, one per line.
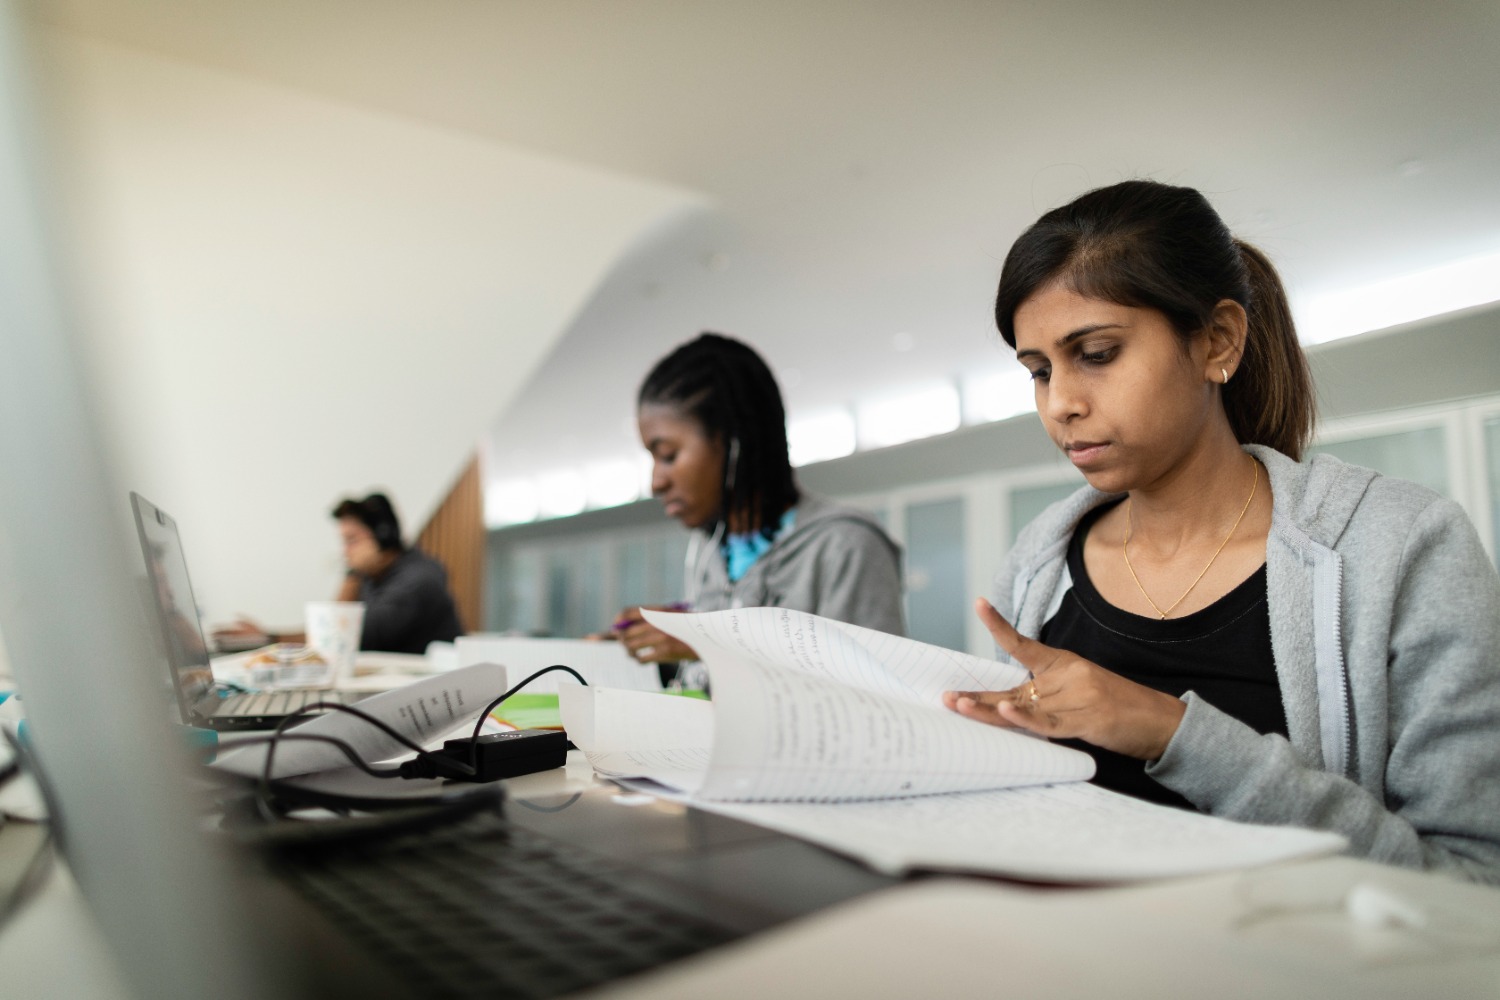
pixel 1069 696
pixel 648 644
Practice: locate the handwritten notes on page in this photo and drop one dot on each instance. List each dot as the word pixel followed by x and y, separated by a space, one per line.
pixel 809 709
pixel 423 710
pixel 821 647
pixel 836 734
pixel 785 735
pixel 1061 833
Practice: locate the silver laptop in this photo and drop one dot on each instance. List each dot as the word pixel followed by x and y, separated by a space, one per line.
pixel 203 702
pixel 183 914
pixel 69 610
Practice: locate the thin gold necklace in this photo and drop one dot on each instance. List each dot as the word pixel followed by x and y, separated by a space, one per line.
pixel 1126 547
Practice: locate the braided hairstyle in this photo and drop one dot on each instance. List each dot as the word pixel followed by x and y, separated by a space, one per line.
pixel 725 386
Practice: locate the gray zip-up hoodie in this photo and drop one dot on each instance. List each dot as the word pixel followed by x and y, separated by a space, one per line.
pixel 1385 627
pixel 836 561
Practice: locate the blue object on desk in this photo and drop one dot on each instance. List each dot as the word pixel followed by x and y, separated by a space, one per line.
pixel 204 741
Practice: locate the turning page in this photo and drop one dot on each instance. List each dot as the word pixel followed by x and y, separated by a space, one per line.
pixel 837 734
pixel 806 709
pixel 821 647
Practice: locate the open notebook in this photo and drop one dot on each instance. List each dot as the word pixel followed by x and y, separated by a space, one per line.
pixel 837 734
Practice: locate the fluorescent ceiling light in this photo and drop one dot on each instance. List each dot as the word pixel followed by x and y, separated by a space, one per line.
pixel 819 437
pixel 560 493
pixel 906 418
pixel 998 395
pixel 611 483
pixel 509 501
pixel 1437 290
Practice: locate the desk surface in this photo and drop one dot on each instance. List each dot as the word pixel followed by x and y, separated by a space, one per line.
pixel 1283 930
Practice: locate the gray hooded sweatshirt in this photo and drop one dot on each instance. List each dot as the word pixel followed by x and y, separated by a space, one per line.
pixel 1385 627
pixel 835 561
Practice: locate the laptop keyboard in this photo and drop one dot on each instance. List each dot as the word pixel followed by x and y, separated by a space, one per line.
pixel 486 909
pixel 279 703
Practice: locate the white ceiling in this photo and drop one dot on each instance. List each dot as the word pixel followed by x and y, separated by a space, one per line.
pixel 868 163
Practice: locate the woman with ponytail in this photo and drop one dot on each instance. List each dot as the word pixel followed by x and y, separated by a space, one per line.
pixel 711 417
pixel 1221 624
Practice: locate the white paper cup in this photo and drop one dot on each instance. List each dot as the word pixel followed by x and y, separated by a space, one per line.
pixel 333 629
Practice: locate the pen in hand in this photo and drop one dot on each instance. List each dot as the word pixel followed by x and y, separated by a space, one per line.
pixel 625 623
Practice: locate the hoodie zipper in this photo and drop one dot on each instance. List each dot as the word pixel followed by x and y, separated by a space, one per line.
pixel 1334 710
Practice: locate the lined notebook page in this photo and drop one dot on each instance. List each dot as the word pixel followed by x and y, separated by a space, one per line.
pixel 859 657
pixel 808 709
pixel 1061 833
pixel 682 770
pixel 790 736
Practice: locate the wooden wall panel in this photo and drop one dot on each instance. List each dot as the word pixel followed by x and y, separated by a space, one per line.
pixel 455 536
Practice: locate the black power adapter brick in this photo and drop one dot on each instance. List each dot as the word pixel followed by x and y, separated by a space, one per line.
pixel 497 755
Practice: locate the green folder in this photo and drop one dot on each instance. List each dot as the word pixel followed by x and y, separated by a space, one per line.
pixel 540 711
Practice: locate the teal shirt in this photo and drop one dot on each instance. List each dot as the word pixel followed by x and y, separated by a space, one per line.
pixel 742 550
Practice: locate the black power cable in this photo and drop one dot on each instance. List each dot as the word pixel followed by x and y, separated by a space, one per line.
pixel 479 723
pixel 444 765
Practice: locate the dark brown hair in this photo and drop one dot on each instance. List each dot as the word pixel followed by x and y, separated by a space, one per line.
pixel 1155 246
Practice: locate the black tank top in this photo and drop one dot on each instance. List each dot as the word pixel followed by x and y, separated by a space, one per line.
pixel 1223 653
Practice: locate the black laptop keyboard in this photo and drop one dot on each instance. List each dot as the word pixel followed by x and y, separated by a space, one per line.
pixel 485 909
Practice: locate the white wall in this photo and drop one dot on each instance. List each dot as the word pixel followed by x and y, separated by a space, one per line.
pixel 289 300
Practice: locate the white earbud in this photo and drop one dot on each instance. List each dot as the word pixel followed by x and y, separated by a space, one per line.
pixel 1371 906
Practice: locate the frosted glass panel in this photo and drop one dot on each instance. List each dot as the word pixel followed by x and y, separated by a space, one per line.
pixel 649 570
pixel 559 592
pixel 1026 504
pixel 937 601
pixel 633 573
pixel 1415 455
pixel 1492 462
pixel 590 615
pixel 515 589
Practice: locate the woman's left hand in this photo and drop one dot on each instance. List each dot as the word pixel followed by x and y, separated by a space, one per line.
pixel 647 643
pixel 1069 697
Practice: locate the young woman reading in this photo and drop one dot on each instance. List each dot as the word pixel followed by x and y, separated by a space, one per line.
pixel 712 418
pixel 1222 623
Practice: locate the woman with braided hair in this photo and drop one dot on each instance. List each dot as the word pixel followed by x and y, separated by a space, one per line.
pixel 712 418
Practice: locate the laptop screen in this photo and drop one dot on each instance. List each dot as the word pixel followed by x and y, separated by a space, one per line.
pixel 172 597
